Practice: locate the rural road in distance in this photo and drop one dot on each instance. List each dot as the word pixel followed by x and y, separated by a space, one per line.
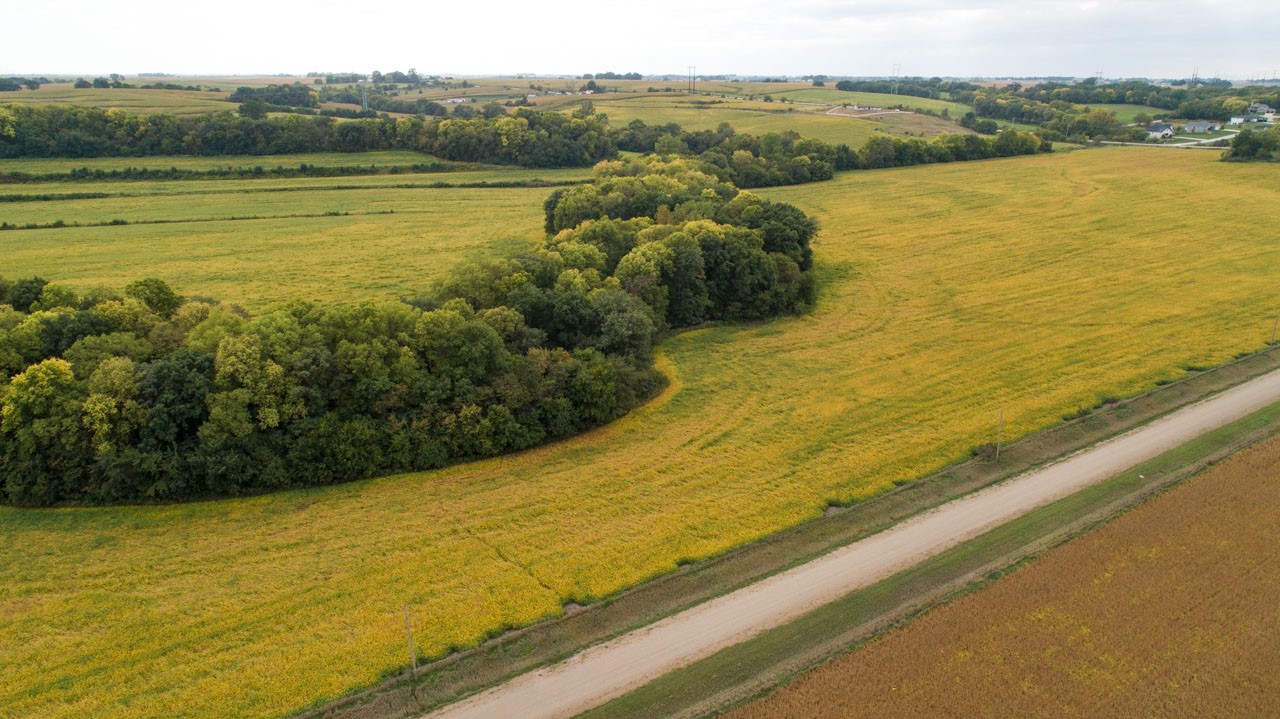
pixel 609 670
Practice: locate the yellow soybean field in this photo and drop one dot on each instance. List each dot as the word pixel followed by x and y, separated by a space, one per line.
pixel 1034 285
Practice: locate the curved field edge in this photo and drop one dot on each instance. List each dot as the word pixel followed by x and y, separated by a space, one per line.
pixel 1074 625
pixel 1037 285
pixel 516 652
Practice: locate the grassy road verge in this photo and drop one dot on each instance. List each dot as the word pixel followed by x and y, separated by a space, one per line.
pixel 745 670
pixel 516 652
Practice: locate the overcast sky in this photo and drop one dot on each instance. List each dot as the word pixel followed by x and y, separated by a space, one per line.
pixel 1120 38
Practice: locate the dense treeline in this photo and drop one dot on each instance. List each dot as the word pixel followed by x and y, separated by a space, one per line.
pixel 145 395
pixel 744 160
pixel 380 101
pixel 883 151
pixel 302 169
pixel 1135 92
pixel 525 138
pixel 292 95
pixel 787 159
pixel 528 138
pixel 933 88
pixel 13 84
pixel 1252 146
pixel 1063 109
pixel 1060 118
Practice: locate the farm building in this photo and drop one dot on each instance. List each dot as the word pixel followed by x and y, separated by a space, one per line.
pixel 1159 131
pixel 1201 126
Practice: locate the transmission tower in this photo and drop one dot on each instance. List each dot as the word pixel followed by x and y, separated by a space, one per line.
pixel 897 69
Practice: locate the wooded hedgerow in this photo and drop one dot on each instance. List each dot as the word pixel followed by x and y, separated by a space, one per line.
pixel 143 395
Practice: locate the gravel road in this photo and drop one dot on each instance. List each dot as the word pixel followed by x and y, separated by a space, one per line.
pixel 609 670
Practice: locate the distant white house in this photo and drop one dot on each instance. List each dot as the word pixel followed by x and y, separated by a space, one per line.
pixel 1201 126
pixel 1246 119
pixel 1159 131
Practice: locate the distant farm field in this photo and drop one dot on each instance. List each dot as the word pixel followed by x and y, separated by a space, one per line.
pixel 1127 112
pixel 316 243
pixel 1169 611
pixel 47 165
pixel 1035 286
pixel 754 118
pixel 832 96
pixel 177 102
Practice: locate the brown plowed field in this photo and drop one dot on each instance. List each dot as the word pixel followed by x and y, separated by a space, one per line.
pixel 1169 611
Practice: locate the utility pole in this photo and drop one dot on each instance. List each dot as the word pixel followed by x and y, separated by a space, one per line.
pixel 999 433
pixel 1274 327
pixel 413 653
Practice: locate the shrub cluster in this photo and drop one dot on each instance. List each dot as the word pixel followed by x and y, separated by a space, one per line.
pixel 1255 146
pixel 145 395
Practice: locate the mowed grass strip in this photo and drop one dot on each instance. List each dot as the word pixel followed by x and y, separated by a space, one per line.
pixel 425 180
pixel 1037 285
pixel 1169 611
pixel 388 158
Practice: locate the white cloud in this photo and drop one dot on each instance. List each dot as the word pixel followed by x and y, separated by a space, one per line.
pixel 857 37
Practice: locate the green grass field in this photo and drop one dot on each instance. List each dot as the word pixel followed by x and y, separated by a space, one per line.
pixel 394 241
pixel 948 293
pixel 1126 112
pixel 756 118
